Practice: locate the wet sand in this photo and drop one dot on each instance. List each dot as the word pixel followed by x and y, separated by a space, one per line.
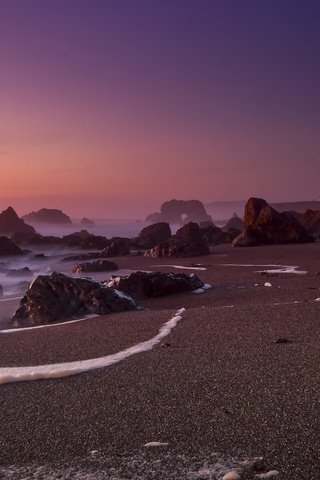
pixel 218 383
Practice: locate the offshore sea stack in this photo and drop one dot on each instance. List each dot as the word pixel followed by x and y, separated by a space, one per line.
pixel 10 223
pixel 180 211
pixel 59 297
pixel 48 215
pixel 264 225
pixel 153 234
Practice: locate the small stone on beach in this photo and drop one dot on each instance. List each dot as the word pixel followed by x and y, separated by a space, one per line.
pixel 232 475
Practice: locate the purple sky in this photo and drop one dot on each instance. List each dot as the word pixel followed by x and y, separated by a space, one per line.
pixel 110 107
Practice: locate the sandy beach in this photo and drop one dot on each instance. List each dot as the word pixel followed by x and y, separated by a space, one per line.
pixel 219 386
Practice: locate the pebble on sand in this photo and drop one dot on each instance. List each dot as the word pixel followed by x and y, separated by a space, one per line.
pixel 270 474
pixel 232 475
pixel 156 444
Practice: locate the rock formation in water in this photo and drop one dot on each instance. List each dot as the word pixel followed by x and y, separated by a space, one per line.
pixel 264 225
pixel 235 222
pixel 48 215
pixel 180 212
pixel 155 284
pixel 10 223
pixel 310 220
pixel 59 297
pixel 153 234
pixel 178 248
pixel 87 222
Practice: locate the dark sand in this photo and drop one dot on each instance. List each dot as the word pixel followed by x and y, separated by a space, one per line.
pixel 218 383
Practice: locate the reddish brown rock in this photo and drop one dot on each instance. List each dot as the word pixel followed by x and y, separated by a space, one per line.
pixel 155 284
pixel 190 232
pixel 178 248
pixel 153 234
pixel 10 223
pixel 264 225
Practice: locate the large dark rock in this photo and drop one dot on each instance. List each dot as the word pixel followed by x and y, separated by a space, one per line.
pixel 10 223
pixel 310 220
pixel 48 215
pixel 58 297
pixel 96 266
pixel 190 232
pixel 155 284
pixel 264 225
pixel 178 248
pixel 235 222
pixel 116 248
pixel 180 212
pixel 153 234
pixel 7 247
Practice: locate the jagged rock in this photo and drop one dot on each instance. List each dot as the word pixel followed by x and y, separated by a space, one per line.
pixel 310 220
pixel 87 222
pixel 178 248
pixel 264 225
pixel 190 232
pixel 155 284
pixel 153 234
pixel 97 266
pixel 85 240
pixel 180 212
pixel 20 272
pixel 7 247
pixel 213 234
pixel 59 297
pixel 235 223
pixel 48 215
pixel 10 223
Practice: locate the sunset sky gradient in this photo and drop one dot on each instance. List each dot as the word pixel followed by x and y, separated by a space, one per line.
pixel 110 107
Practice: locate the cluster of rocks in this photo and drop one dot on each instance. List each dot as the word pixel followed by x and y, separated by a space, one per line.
pixel 59 297
pixel 49 216
pixel 95 266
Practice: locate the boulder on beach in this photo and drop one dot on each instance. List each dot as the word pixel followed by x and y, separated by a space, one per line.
pixel 117 248
pixel 310 220
pixel 153 234
pixel 59 297
pixel 48 215
pixel 180 212
pixel 155 284
pixel 95 266
pixel 10 223
pixel 235 222
pixel 190 232
pixel 7 247
pixel 178 248
pixel 264 225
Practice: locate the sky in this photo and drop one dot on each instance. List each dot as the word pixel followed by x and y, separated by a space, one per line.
pixel 110 107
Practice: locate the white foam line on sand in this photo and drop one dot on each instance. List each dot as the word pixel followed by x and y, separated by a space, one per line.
pixel 184 267
pixel 58 370
pixel 8 299
pixel 275 268
pixel 23 329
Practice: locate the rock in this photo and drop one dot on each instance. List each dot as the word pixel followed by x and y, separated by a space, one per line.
pixel 7 247
pixel 151 235
pixel 97 266
pixel 116 248
pixel 1 290
pixel 270 474
pixel 74 239
pixel 190 233
pixel 178 248
pixel 20 272
pixel 10 223
pixel 232 475
pixel 155 284
pixel 214 235
pixel 58 297
pixel 48 215
pixel 235 222
pixel 282 340
pixel 180 212
pixel 310 220
pixel 264 225
pixel 87 222
pixel 156 444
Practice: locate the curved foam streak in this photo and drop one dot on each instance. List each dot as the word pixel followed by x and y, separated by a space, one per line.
pixel 60 324
pixel 58 370
pixel 183 267
pixel 275 268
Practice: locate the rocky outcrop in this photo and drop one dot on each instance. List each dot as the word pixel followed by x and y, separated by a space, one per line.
pixel 180 212
pixel 48 215
pixel 264 225
pixel 153 234
pixel 96 266
pixel 58 297
pixel 190 233
pixel 116 248
pixel 310 220
pixel 86 222
pixel 155 284
pixel 178 248
pixel 10 223
pixel 35 239
pixel 7 247
pixel 235 223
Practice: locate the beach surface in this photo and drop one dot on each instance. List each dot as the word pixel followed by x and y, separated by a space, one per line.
pixel 218 390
